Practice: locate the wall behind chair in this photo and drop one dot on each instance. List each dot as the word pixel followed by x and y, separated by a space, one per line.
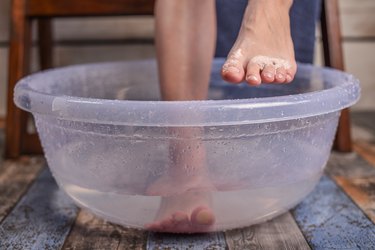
pixel 83 40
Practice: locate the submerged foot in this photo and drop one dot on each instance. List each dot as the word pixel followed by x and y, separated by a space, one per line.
pixel 186 203
pixel 185 189
pixel 263 51
pixel 187 171
pixel 186 213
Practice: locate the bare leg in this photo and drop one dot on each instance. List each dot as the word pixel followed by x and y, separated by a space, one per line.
pixel 263 50
pixel 185 41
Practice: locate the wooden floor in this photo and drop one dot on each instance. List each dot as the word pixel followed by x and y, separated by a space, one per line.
pixel 338 214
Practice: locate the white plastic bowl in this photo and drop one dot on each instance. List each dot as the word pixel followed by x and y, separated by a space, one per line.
pixel 108 139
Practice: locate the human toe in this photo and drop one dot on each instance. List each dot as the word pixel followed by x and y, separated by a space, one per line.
pixel 202 216
pixel 268 74
pixel 232 73
pixel 253 74
pixel 280 75
pixel 180 218
pixel 155 226
pixel 232 70
pixel 290 73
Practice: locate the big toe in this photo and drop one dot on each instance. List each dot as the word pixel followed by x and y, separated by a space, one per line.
pixel 233 69
pixel 202 216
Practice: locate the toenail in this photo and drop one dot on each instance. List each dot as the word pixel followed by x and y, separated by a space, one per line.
pixel 252 78
pixel 280 76
pixel 204 218
pixel 268 74
pixel 231 69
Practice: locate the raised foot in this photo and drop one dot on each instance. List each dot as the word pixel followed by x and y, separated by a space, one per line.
pixel 263 51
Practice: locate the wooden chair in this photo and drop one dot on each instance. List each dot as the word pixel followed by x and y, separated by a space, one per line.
pixel 19 141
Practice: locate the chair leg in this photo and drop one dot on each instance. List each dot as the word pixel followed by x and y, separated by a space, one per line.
pixel 343 140
pixel 31 143
pixel 45 43
pixel 19 52
pixel 333 57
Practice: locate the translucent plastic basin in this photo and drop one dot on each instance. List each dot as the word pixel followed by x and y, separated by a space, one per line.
pixel 247 154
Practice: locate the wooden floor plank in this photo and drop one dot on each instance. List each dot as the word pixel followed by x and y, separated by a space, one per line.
pixel 349 165
pixel 91 232
pixel 366 150
pixel 15 178
pixel 330 220
pixel 357 178
pixel 279 233
pixel 161 241
pixel 361 191
pixel 41 219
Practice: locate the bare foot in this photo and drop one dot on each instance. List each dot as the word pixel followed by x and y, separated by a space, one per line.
pixel 168 185
pixel 185 213
pixel 264 50
pixel 187 171
pixel 186 202
pixel 185 188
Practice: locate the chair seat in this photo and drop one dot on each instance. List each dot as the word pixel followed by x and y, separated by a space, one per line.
pixel 70 8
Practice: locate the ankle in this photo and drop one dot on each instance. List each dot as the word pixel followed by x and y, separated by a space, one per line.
pixel 259 11
pixel 284 4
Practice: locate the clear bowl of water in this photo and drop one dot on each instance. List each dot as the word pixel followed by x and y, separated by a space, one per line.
pixel 243 156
